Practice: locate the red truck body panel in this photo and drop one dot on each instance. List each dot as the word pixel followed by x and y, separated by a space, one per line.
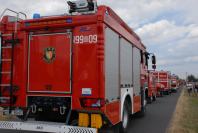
pixel 52 73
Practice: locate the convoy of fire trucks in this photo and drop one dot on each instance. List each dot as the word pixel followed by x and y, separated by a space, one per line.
pixel 77 72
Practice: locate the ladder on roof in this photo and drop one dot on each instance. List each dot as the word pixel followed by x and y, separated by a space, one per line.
pixel 7 43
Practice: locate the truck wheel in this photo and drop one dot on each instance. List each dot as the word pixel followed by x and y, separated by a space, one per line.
pixel 154 98
pixel 161 93
pixel 125 118
pixel 142 112
pixel 149 100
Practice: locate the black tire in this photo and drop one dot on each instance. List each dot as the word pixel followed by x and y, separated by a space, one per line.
pixel 142 112
pixel 154 98
pixel 149 100
pixel 161 93
pixel 123 126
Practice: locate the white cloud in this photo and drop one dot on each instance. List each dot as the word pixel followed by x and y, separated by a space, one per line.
pixel 139 12
pixel 161 32
pixel 175 45
pixel 193 33
pixel 45 7
pixel 191 59
pixel 171 50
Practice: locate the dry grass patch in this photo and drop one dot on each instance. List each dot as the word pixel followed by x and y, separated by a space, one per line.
pixel 185 119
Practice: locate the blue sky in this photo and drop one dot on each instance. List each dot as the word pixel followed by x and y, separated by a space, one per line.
pixel 169 28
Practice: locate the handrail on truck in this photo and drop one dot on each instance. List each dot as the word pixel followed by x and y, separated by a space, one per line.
pixel 7 9
pixel 23 14
pixel 17 17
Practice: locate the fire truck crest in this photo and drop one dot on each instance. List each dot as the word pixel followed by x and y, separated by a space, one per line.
pixel 49 55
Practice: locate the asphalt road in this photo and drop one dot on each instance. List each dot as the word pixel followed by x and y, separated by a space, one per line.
pixel 156 120
pixel 158 116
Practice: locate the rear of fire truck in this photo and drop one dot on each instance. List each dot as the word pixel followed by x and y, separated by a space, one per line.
pixel 164 78
pixel 159 86
pixel 174 83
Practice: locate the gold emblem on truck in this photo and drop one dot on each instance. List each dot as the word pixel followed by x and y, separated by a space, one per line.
pixel 49 55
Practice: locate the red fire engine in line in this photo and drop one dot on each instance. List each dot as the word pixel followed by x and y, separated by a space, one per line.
pixel 160 89
pixel 164 78
pixel 151 89
pixel 174 83
pixel 86 69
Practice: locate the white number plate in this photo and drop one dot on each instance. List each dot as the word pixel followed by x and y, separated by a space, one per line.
pixel 92 39
pixel 86 91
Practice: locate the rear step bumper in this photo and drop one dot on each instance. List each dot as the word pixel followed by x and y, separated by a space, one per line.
pixel 44 127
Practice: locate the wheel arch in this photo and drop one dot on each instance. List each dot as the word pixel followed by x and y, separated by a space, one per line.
pixel 126 96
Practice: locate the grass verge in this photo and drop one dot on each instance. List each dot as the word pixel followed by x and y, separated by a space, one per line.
pixel 185 118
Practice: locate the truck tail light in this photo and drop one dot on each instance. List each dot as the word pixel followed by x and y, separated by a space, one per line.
pixel 93 103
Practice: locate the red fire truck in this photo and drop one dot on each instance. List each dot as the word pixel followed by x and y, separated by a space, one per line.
pixel 151 89
pixel 160 89
pixel 86 69
pixel 164 78
pixel 174 83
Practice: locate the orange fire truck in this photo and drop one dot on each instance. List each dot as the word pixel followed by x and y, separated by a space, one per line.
pixel 86 69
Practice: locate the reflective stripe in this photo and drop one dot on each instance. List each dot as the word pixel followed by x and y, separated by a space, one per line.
pixel 6 60
pixel 6 47
pixel 4 85
pixel 5 72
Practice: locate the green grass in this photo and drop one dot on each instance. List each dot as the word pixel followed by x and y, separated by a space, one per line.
pixel 190 120
pixel 185 118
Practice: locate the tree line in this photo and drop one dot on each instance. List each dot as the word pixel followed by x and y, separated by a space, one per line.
pixel 192 78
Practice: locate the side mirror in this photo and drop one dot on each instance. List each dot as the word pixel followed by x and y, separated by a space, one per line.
pixel 147 58
pixel 153 60
pixel 154 66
